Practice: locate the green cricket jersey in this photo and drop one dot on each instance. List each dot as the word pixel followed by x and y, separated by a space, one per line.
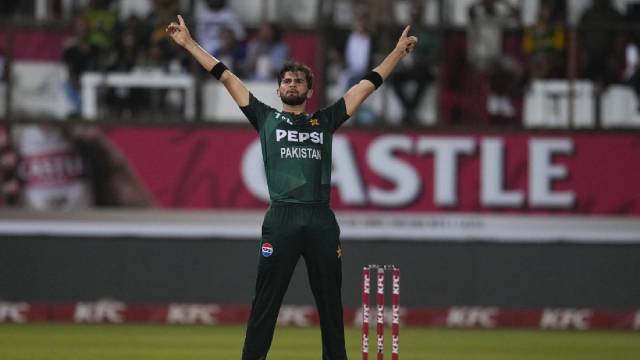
pixel 296 150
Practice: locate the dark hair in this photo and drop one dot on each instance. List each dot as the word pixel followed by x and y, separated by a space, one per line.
pixel 276 32
pixel 216 4
pixel 295 67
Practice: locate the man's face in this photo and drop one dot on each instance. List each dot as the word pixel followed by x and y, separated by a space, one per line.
pixel 294 89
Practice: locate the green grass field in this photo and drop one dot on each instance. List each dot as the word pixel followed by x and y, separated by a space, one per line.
pixel 163 342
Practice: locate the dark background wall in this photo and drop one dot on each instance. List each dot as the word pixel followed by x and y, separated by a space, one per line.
pixel 147 270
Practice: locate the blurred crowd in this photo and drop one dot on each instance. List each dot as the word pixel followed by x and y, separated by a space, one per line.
pixel 103 42
pixel 493 58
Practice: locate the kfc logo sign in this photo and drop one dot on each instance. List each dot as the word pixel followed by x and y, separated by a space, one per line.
pixel 193 314
pixel 13 312
pixel 636 321
pixel 562 319
pixel 468 317
pixel 104 311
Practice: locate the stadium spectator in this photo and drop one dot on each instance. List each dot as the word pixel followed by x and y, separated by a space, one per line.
pixel 101 22
pixel 597 31
pixel 631 72
pixel 211 17
pixel 161 53
pixel 358 59
pixel 358 52
pixel 161 14
pixel 89 47
pixel 266 53
pixel 488 19
pixel 128 49
pixel 544 45
pixel 232 51
pixel 419 68
pixel 127 54
pixel 78 56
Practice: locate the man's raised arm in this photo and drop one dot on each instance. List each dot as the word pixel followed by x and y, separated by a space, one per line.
pixel 236 88
pixel 360 91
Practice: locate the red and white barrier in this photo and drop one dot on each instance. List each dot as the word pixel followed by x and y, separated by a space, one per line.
pixel 380 314
pixel 366 291
pixel 395 314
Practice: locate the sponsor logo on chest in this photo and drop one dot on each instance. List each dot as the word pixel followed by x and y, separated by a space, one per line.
pixel 316 137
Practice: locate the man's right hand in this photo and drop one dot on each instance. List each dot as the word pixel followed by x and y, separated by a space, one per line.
pixel 406 43
pixel 179 32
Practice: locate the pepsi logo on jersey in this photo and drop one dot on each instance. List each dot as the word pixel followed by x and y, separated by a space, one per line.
pixel 267 249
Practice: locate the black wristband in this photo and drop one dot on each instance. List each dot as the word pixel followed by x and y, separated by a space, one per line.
pixel 374 77
pixel 218 69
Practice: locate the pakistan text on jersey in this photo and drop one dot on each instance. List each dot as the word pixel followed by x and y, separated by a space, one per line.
pixel 300 153
pixel 315 137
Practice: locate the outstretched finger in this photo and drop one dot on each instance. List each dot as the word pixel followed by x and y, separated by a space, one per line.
pixel 405 32
pixel 181 20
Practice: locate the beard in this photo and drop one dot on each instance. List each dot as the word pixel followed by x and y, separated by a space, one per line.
pixel 294 100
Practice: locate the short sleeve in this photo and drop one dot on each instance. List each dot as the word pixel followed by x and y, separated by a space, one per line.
pixel 336 114
pixel 256 112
